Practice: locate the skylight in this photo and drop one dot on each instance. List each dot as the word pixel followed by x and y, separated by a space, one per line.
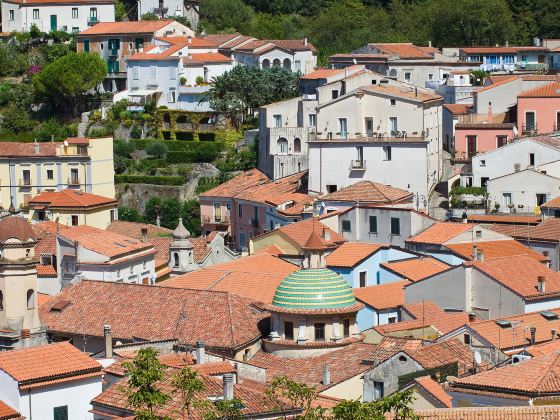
pixel 504 323
pixel 549 315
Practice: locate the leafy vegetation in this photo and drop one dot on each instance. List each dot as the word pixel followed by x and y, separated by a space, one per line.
pixel 170 210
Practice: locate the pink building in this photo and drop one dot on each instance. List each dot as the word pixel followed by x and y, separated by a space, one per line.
pixel 474 138
pixel 538 109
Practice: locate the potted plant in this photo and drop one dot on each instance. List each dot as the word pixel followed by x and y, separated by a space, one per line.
pixel 183 80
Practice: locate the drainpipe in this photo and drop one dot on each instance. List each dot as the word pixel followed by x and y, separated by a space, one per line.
pixel 29 399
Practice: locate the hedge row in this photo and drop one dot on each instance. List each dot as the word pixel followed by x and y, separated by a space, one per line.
pixel 192 156
pixel 178 145
pixel 146 179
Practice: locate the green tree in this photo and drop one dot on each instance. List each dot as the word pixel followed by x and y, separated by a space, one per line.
pixel 188 384
pixel 224 410
pixel 16 120
pixel 129 214
pixel 225 16
pixel 51 129
pixel 156 149
pixel 169 210
pixel 150 16
pixel 287 395
pixel 144 372
pixel 65 81
pixel 53 52
pixel 12 61
pixel 398 405
pixel 191 217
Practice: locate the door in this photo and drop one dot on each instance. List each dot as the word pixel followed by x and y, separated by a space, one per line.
pixel 53 23
pixel 241 240
pixel 471 146
pixel 530 123
pixel 369 126
pixel 217 212
pixel 343 127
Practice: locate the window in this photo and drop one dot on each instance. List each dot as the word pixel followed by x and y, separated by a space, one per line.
pixel 343 87
pixel 1 301
pixel 74 220
pixel 11 15
pixel 74 12
pixel 153 72
pixel 288 330
pixel 506 199
pixel 501 141
pixel 541 199
pixel 30 299
pixel 35 13
pixel 144 265
pixel 240 210
pixel 393 102
pixel 392 319
pixel 386 152
pixel 395 226
pixel 118 272
pixel 175 259
pixel 86 45
pixel 75 29
pixel 172 73
pixel 407 76
pixel 484 181
pixel 346 226
pixel 346 328
pixel 312 120
pixel 135 72
pixel 482 162
pixel 532 159
pixel 478 234
pixel 171 96
pixel 277 120
pixel 430 76
pixel 82 150
pixel 369 126
pixel 331 188
pixel 467 339
pixel 60 413
pixel 74 177
pixel 217 212
pixel 50 174
pixel 393 124
pixel 112 215
pixel 282 146
pixel 320 332
pixel 297 145
pixel 363 278
pixel 334 93
pixel 372 224
pixel 343 124
pixel 93 13
pixel 26 177
pixel 138 43
pixel 378 391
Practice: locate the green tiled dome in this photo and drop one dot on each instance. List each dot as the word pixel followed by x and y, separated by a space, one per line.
pixel 311 289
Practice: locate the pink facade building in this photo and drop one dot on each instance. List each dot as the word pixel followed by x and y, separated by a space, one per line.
pixel 538 109
pixel 472 139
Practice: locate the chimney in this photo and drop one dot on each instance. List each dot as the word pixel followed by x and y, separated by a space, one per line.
pixel 200 352
pixel 305 42
pixel 189 40
pixel 553 334
pixel 108 341
pixel 430 44
pixel 541 284
pixel 533 335
pixel 37 147
pixel 507 43
pixel 472 317
pixel 490 114
pixel 475 252
pixel 228 386
pixel 480 256
pixel 158 221
pixel 464 217
pixel 144 233
pixel 326 375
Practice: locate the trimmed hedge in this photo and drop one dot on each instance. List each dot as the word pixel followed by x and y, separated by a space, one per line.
pixel 192 156
pixel 145 179
pixel 179 145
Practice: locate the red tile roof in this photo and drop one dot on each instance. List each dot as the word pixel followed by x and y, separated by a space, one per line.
pixel 490 413
pixel 350 254
pixel 35 366
pixel 203 58
pixel 70 199
pixel 458 109
pixel 255 277
pixel 405 50
pixel 15 227
pixel 439 233
pixel 496 249
pixel 7 412
pixel 551 90
pixel 434 389
pixel 299 233
pixel 134 229
pixel 131 27
pixel 443 353
pixel 13 149
pixel 222 320
pixel 370 192
pixel 504 218
pixel 46 271
pixel 519 273
pixel 321 74
pixel 240 183
pixel 497 83
pixel 552 346
pixel 382 296
pixel 499 50
pixel 42 299
pixel 411 94
pixel 552 204
pixel 415 269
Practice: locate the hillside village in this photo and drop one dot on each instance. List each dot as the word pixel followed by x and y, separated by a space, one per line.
pixel 197 222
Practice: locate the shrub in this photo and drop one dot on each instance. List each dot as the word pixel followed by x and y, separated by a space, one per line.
pixel 129 214
pixel 145 179
pixel 136 132
pixel 156 149
pixel 123 148
pixel 183 80
pixel 121 164
pixel 51 129
pixel 16 120
pixel 199 80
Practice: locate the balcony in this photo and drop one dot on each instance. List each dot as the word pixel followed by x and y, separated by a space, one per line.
pixel 529 128
pixel 73 181
pixel 92 20
pixel 358 165
pixel 218 220
pixel 255 223
pixel 25 182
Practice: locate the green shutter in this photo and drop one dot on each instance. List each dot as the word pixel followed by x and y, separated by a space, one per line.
pixel 60 413
pixel 139 43
pixel 86 45
pixel 373 224
pixel 395 226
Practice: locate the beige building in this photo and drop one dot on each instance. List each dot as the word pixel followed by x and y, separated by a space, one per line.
pixel 73 208
pixel 28 169
pixel 20 325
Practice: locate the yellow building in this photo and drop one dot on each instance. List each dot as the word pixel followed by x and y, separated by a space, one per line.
pixel 73 208
pixel 28 169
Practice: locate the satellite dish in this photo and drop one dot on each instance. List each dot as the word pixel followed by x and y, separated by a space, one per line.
pixel 65 143
pixel 477 358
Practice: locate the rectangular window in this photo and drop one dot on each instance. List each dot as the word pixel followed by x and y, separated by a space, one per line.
pixel 363 278
pixel 171 96
pixel 331 188
pixel 392 319
pixel 393 124
pixel 501 141
pixel 506 199
pixel 240 210
pixel 532 159
pixel 50 174
pixel 112 217
pixel 172 73
pixel 11 15
pixel 135 72
pixel 395 226
pixel 407 76
pixel 26 177
pixel 393 102
pixel 334 94
pixel 484 181
pixel 467 338
pixel 60 413
pixel 289 330
pixel 86 45
pixel 217 212
pixel 35 13
pixel 471 146
pixel 74 177
pixel 93 13
pixel 153 72
pixel 74 220
pixel 431 76
pixel 386 152
pixel 368 122
pixel 343 87
pixel 378 391
pixel 277 120
pixel 346 328
pixel 343 124
pixel 75 29
pixel 74 13
pixel 372 224
pixel 312 120
pixel 541 199
pixel 320 332
pixel 482 162
pixel 346 226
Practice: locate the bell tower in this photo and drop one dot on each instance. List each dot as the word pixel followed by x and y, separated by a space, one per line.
pixel 181 251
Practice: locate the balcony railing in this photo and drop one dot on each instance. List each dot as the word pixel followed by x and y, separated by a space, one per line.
pixel 529 128
pixel 73 181
pixel 92 20
pixel 358 164
pixel 24 182
pixel 214 219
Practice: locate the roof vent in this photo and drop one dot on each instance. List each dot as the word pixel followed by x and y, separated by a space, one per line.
pixel 549 315
pixel 59 306
pixel 119 244
pixel 504 323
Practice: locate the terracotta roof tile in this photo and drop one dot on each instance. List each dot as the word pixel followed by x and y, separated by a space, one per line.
pixel 220 319
pixel 13 149
pixel 46 245
pixel 552 346
pixel 412 94
pixel 161 246
pixel 219 39
pixel 42 299
pixel 500 82
pixel 321 74
pixel 496 249
pixel 231 188
pixel 439 233
pixel 552 204
pixel 490 413
pixel 255 277
pixel 405 50
pixel 370 192
pixel 203 58
pixel 434 389
pixel 45 271
pixel 415 269
pixel 70 199
pixel 35 365
pixel 132 27
pixel 7 412
pixel 15 227
pixel 458 109
pixel 504 218
pixel 444 353
pixel 277 192
pixel 134 229
pixel 382 296
pixel 551 90
pixel 299 232
pixel 389 346
pixel 350 254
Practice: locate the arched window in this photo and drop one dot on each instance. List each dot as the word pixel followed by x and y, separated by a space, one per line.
pixel 282 146
pixel 30 299
pixel 297 145
pixel 276 62
pixel 176 260
pixel 265 63
pixel 287 64
pixel 1 301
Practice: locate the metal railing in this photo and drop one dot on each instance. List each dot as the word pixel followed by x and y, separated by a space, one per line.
pixel 529 128
pixel 73 181
pixel 25 182
pixel 215 219
pixel 358 164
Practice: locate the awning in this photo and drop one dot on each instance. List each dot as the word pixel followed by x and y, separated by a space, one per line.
pixel 143 92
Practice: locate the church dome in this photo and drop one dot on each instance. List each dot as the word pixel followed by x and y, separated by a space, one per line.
pixel 13 227
pixel 314 289
pixel 181 231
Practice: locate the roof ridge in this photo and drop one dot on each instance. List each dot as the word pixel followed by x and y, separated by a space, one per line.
pixel 555 361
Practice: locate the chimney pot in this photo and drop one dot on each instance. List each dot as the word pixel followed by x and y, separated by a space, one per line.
pixel 200 352
pixel 553 334
pixel 228 386
pixel 326 375
pixel 541 284
pixel 533 335
pixel 305 41
pixel 107 333
pixel 144 233
pixel 472 317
